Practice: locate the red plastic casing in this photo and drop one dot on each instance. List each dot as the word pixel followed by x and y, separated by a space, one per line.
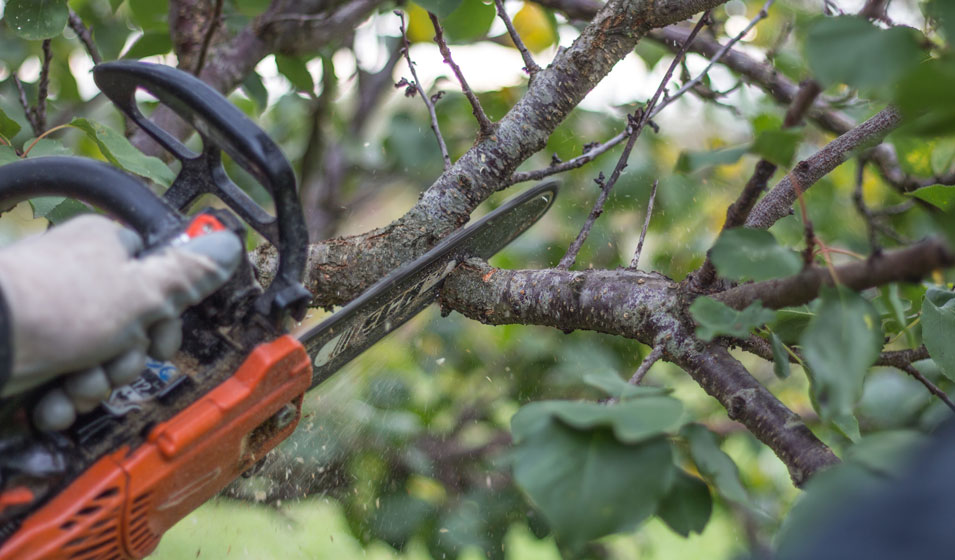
pixel 120 506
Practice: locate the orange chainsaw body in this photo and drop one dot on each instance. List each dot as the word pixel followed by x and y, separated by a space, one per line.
pixel 122 504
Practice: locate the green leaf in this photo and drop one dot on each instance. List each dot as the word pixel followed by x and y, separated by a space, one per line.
pixel 440 8
pixel 115 4
pixel 938 328
pixel 777 146
pixel 690 161
pixel 36 19
pixel 790 324
pixel 397 516
pixel 611 384
pixel 588 484
pixel 150 14
pixel 839 346
pixel 924 98
pixel 295 70
pixel 715 465
pixel 897 308
pixel 780 357
pixel 886 452
pixel 47 147
pixel 715 318
pixel 7 155
pixel 686 508
pixel 57 209
pixel 149 44
pixel 853 51
pixel 848 425
pixel 753 254
pixel 825 493
pixel 255 89
pixel 470 21
pixel 8 127
pixel 118 150
pixel 630 421
pixel 943 11
pixel 940 196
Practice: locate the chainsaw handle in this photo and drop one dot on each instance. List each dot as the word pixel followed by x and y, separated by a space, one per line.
pixel 96 183
pixel 222 127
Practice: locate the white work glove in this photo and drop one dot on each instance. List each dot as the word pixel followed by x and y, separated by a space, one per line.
pixel 80 306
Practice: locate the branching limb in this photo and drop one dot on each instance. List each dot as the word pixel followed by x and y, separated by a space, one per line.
pixel 903 360
pixel 76 24
pixel 629 303
pixel 487 127
pixel 763 14
pixel 530 66
pixel 637 121
pixel 738 212
pixel 903 265
pixel 416 84
pixel 341 269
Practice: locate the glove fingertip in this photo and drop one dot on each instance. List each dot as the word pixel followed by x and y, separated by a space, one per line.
pixel 54 411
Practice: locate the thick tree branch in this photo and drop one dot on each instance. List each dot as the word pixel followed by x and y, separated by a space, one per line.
pixel 904 265
pixel 778 202
pixel 647 307
pixel 340 269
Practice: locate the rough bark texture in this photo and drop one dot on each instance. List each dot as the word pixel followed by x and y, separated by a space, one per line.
pixel 647 307
pixel 779 201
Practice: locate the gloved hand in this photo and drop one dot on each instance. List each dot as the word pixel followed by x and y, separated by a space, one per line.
pixel 82 307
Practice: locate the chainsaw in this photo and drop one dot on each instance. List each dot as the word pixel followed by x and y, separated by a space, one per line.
pixel 156 449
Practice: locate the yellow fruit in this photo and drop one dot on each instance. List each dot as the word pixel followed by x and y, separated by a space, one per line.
pixel 534 27
pixel 419 25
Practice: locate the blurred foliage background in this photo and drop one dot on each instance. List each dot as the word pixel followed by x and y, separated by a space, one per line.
pixel 406 452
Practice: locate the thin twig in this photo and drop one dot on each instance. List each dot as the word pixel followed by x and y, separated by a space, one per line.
pixel 932 388
pixel 76 24
pixel 207 37
pixel 424 96
pixel 530 66
pixel 646 223
pixel 763 14
pixel 31 118
pixel 487 127
pixel 647 363
pixel 636 121
pixel 591 152
pixel 43 88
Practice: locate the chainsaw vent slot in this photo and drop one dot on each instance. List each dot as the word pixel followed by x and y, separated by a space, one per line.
pixel 141 538
pixel 96 525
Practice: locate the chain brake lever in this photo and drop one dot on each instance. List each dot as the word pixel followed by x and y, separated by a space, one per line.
pixel 222 127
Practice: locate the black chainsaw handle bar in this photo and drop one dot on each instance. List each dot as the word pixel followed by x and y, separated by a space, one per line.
pixel 222 127
pixel 96 183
